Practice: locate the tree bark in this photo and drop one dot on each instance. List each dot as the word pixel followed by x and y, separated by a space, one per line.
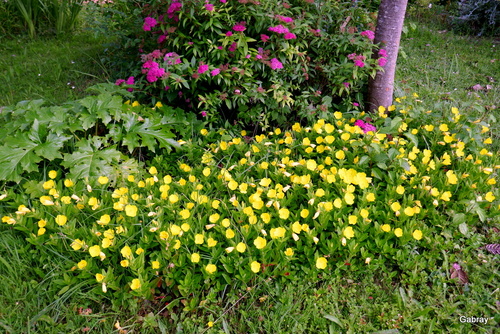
pixel 387 34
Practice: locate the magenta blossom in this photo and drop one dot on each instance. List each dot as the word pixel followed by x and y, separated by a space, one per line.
pixel 233 47
pixel 239 26
pixel 382 61
pixel 229 33
pixel 359 63
pixel 223 1
pixel 365 126
pixel 209 7
pixel 276 64
pixel 346 84
pixel 264 38
pixel 284 19
pixel 149 23
pixel 290 35
pixel 215 72
pixel 382 53
pixel 203 113
pixel 173 8
pixel 368 33
pixel 161 38
pixel 202 68
pixel 119 82
pixel 279 29
pixel 130 81
pixel 155 73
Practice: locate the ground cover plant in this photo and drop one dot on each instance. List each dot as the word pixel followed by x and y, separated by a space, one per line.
pixel 345 222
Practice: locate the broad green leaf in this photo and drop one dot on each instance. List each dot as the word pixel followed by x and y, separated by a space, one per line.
pixel 463 228
pixel 91 159
pixel 334 319
pixel 15 160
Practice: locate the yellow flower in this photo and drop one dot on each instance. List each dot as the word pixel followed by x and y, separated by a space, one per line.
pixel 395 206
pixel 99 277
pixel 352 219
pixel 82 264
pixel 398 232
pixel 102 180
pixel 304 213
pixel 489 197
pixel 278 232
pixel 340 155
pixel 139 251
pixel 241 247
pixel 321 263
pixel 153 170
pixel 260 242
pixel 155 264
pixel 211 242
pixel 124 263
pixel 126 252
pixel 173 198
pixel 289 252
pixel 136 284
pixel 409 211
pixel 48 185
pixel 225 222
pixel 104 220
pixel 386 228
pixel 185 214
pixel 95 251
pixel 230 233
pixel 284 213
pixel 349 198
pixel 443 127
pixel 61 220
pixel 106 242
pixel 52 174
pixel 452 177
pixel 175 229
pixel 417 234
pixel 198 239
pixel 41 231
pixel 185 227
pixel 429 127
pixel 255 266
pixel 363 213
pixel 204 132
pixel 348 232
pixel 77 244
pixel 131 210
pixel 446 196
pixel 211 268
pixel 215 204
pixel 400 190
pixel 195 257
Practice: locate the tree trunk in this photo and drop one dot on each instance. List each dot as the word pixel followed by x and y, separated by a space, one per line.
pixel 387 34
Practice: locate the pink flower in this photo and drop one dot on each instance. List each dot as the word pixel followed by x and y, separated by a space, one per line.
pixel 382 53
pixel 229 33
pixel 365 126
pixel 368 33
pixel 223 1
pixel 359 63
pixel 215 72
pixel 290 35
pixel 209 7
pixel 162 38
pixel 173 8
pixel 346 84
pixel 356 104
pixel 220 47
pixel 239 26
pixel 203 68
pixel 119 82
pixel 279 29
pixel 276 64
pixel 284 19
pixel 130 81
pixel 149 23
pixel 155 73
pixel 264 38
pixel 204 113
pixel 233 47
pixel 382 61
pixel 258 57
pixel 351 56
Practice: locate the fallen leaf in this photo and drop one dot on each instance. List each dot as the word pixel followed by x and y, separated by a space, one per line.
pixel 457 273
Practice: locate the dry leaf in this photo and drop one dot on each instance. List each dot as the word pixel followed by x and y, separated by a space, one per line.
pixel 457 273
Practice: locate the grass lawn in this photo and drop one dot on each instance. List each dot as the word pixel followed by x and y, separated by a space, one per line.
pixel 442 68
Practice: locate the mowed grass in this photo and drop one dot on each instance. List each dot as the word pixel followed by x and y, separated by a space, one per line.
pixel 56 70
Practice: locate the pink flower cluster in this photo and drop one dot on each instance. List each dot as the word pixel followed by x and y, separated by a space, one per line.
pixel 239 26
pixel 365 126
pixel 358 59
pixel 279 29
pixel 172 58
pixel 149 23
pixel 174 7
pixel 285 19
pixel 276 64
pixel 153 70
pixel 130 81
pixel 383 57
pixel 368 33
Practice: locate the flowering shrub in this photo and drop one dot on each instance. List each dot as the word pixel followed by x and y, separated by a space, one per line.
pixel 348 193
pixel 249 59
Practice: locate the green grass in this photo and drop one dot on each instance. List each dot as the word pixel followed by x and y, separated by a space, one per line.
pixel 56 70
pixel 440 67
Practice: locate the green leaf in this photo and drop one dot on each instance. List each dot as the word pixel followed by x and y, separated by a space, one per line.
pixel 412 137
pixel 334 319
pixel 463 228
pixel 91 159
